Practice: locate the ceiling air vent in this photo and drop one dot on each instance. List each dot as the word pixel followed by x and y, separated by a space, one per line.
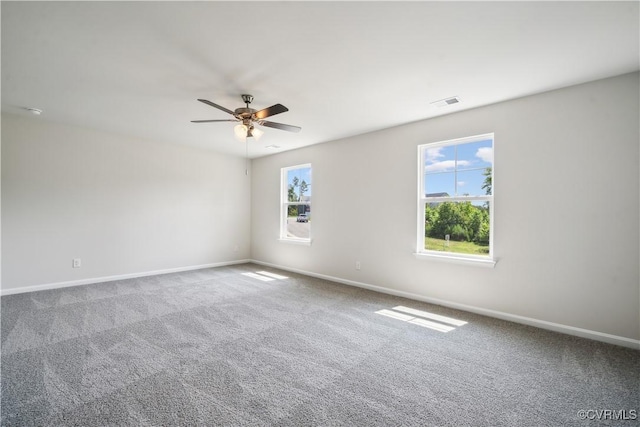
pixel 446 102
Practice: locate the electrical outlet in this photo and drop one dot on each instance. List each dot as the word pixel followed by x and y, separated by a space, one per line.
pixel 77 263
pixel 357 265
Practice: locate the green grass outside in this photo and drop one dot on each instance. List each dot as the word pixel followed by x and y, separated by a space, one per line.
pixel 433 244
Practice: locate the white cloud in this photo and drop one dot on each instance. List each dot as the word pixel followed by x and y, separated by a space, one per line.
pixel 432 154
pixel 461 183
pixel 485 154
pixel 446 165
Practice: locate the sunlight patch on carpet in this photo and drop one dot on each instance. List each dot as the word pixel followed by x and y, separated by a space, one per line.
pixel 265 276
pixel 422 318
pixel 432 316
pixel 274 275
pixel 259 277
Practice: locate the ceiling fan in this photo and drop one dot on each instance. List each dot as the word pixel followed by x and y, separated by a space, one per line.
pixel 248 117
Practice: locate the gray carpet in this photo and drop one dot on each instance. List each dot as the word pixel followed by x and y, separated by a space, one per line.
pixel 220 347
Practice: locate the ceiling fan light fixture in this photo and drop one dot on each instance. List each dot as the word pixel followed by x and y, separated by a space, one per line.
pixel 255 132
pixel 241 132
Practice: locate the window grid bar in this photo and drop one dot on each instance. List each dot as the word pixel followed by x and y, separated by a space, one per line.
pixel 455 171
pixel 487 198
pixel 450 171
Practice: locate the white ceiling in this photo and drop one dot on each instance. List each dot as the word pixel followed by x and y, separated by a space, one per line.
pixel 341 68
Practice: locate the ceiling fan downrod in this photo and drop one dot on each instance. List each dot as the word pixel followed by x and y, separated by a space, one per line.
pixel 247 99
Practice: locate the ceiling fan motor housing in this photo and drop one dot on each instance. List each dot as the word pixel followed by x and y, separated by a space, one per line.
pixel 244 113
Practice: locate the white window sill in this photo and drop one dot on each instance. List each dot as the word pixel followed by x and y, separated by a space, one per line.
pixel 480 262
pixel 301 242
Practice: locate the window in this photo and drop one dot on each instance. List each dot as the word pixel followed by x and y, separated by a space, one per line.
pixel 455 201
pixel 295 225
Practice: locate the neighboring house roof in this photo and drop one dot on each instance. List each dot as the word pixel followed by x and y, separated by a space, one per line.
pixel 437 195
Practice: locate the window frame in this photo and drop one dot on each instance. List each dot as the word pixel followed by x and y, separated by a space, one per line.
pixel 285 203
pixel 421 251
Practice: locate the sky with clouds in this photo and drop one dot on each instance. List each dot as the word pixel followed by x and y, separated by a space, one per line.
pixel 457 169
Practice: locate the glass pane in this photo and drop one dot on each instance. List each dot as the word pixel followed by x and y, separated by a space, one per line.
pixel 458 227
pixel 299 221
pixel 474 182
pixel 440 184
pixel 475 155
pixel 439 159
pixel 299 185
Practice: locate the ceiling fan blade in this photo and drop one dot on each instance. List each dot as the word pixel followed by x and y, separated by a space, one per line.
pixel 270 111
pixel 209 121
pixel 226 110
pixel 280 126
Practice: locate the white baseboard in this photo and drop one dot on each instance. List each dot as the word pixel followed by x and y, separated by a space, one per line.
pixel 89 281
pixel 543 324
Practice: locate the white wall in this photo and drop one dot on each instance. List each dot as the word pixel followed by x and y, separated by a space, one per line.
pixel 566 209
pixel 122 205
